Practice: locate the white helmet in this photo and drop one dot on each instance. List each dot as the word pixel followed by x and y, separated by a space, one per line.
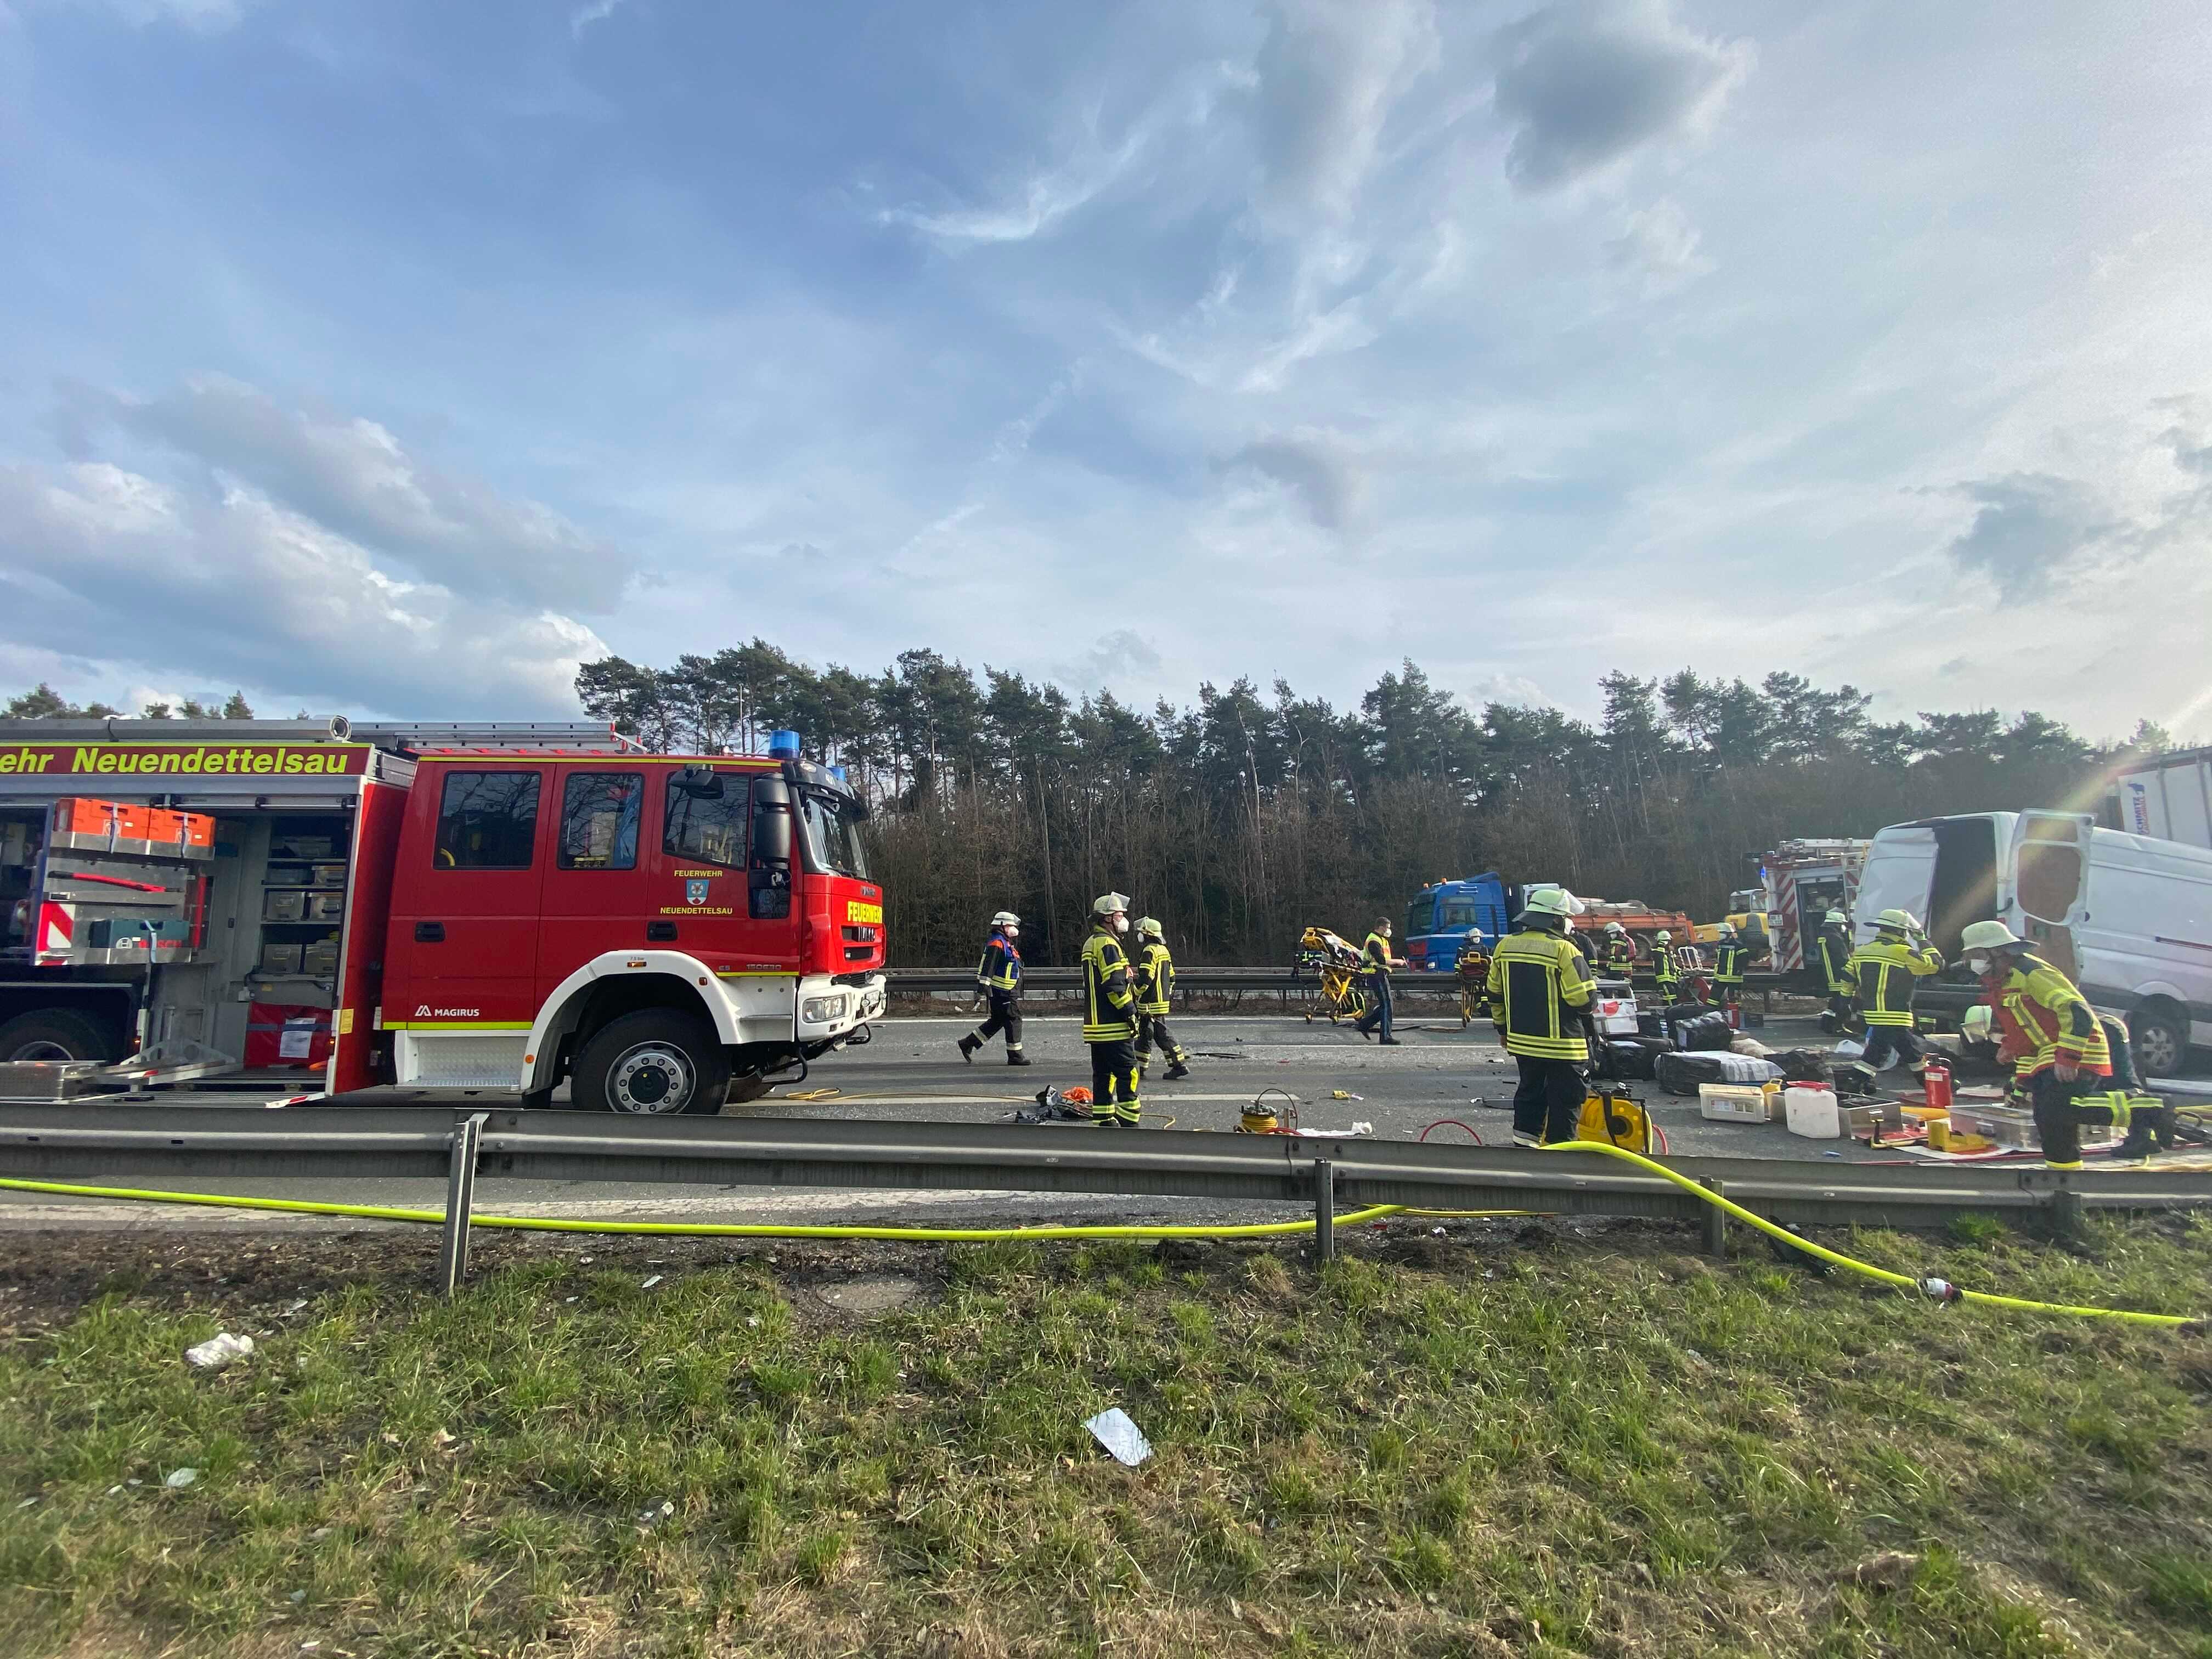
pixel 1726 930
pixel 1150 927
pixel 1979 1021
pixel 1900 920
pixel 1005 919
pixel 1110 904
pixel 1989 936
pixel 1549 900
pixel 1614 928
pixel 1837 918
pixel 1663 937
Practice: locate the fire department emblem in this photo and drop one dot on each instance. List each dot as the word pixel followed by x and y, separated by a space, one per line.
pixel 695 892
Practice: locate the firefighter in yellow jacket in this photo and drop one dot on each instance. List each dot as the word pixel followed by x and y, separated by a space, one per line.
pixel 1882 975
pixel 2067 1057
pixel 1110 1016
pixel 1834 944
pixel 1155 986
pixel 1540 997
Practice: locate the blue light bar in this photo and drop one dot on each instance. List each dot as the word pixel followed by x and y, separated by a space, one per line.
pixel 783 745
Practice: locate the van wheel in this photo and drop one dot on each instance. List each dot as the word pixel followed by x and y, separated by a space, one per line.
pixel 55 1034
pixel 2160 1041
pixel 656 1062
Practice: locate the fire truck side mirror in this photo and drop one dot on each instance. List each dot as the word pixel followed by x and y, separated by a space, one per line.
pixel 700 782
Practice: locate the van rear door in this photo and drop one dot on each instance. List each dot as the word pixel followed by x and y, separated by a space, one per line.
pixel 2048 861
pixel 1899 875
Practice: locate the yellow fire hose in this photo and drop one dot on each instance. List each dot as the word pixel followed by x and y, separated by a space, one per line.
pixel 1843 1260
pixel 993 1234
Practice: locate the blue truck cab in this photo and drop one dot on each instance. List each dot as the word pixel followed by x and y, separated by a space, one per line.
pixel 1441 916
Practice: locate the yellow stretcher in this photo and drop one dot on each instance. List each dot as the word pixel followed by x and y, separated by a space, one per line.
pixel 1332 962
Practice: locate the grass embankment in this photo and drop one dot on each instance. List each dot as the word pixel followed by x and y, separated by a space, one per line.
pixel 1515 1440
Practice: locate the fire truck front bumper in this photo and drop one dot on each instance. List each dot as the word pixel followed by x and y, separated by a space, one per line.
pixel 830 1009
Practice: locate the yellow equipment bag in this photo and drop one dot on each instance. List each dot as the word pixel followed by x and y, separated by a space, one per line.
pixel 1616 1117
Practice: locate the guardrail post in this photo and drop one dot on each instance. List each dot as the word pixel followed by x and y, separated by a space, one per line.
pixel 2066 1215
pixel 460 1199
pixel 1324 1211
pixel 1716 1221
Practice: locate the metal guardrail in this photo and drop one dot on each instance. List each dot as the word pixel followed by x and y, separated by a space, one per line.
pixel 75 1143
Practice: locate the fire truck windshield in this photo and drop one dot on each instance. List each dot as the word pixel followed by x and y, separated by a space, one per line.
pixel 833 839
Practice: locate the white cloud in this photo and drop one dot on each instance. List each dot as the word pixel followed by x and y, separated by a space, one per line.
pixel 1328 74
pixel 1515 690
pixel 596 11
pixel 354 476
pixel 206 16
pixel 1585 83
pixel 226 585
pixel 1659 242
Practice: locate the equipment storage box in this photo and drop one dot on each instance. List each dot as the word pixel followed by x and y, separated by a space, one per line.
pixel 1616 1016
pixel 328 875
pixel 282 1035
pixel 278 958
pixel 287 904
pixel 320 957
pixel 323 906
pixel 288 875
pixel 301 847
pixel 1737 1103
pixel 1863 1119
pixel 2007 1125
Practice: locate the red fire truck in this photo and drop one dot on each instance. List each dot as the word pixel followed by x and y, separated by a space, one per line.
pixel 494 907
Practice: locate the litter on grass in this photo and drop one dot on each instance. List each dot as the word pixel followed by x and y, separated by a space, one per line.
pixel 1113 1430
pixel 217 1352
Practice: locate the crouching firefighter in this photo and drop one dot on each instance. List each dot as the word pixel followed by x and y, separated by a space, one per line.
pixel 2066 1066
pixel 1155 986
pixel 998 977
pixel 1540 997
pixel 1110 1017
pixel 1881 976
pixel 1834 945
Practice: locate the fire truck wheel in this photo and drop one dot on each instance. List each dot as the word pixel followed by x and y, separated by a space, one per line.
pixel 54 1033
pixel 655 1061
pixel 743 1089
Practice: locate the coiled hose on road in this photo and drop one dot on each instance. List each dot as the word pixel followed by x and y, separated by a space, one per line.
pixel 996 1235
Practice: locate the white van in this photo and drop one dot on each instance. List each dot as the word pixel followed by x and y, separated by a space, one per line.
pixel 2129 918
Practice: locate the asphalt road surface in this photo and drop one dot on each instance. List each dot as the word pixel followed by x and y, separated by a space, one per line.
pixel 912 1071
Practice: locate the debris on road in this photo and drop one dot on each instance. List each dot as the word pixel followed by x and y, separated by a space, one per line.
pixel 218 1352
pixel 1113 1430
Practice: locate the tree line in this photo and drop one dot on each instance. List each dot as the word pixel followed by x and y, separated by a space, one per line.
pixel 1243 817
pixel 42 702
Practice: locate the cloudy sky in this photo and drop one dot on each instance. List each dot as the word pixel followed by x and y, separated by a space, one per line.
pixel 392 356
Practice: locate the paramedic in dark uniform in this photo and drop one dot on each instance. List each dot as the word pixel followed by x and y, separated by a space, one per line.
pixel 1375 963
pixel 998 977
pixel 1539 1000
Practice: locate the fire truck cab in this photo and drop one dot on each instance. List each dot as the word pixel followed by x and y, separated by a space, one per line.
pixel 505 909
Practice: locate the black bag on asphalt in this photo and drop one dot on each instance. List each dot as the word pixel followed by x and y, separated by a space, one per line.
pixel 1709 1030
pixel 1628 1060
pixel 1681 1073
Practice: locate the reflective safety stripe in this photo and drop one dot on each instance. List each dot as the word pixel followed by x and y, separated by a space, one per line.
pixel 1538 982
pixel 1109 1006
pixel 1728 963
pixel 1883 975
pixel 2054 1016
pixel 1155 977
pixel 1001 966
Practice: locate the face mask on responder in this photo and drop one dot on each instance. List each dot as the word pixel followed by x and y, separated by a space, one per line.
pixel 1120 924
pixel 1012 932
pixel 1980 964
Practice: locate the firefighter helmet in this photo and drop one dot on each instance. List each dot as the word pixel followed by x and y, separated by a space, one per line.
pixel 1901 920
pixel 1150 927
pixel 1725 930
pixel 1663 937
pixel 1980 1020
pixel 1110 904
pixel 1552 901
pixel 1614 928
pixel 1005 919
pixel 1837 918
pixel 1989 936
